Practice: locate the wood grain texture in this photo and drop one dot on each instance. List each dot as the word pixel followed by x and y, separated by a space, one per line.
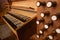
pixel 52 10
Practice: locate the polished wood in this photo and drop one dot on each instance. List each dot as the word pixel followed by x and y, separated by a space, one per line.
pixel 26 3
pixel 52 10
pixel 29 27
pixel 31 23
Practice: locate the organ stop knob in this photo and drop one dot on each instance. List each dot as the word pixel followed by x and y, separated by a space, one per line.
pixel 41 32
pixel 47 25
pixel 37 36
pixel 39 21
pixel 55 17
pixel 58 31
pixel 51 4
pixel 47 13
pixel 50 37
pixel 40 3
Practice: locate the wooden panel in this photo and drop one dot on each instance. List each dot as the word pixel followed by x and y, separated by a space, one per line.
pixel 53 11
pixel 25 4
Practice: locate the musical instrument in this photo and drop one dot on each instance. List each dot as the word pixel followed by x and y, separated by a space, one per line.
pixel 50 13
pixel 21 22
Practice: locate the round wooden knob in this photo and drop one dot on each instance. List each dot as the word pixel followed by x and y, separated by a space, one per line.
pixel 58 30
pixel 41 32
pixel 50 37
pixel 38 3
pixel 55 17
pixel 37 36
pixel 51 4
pixel 47 13
pixel 46 26
pixel 37 22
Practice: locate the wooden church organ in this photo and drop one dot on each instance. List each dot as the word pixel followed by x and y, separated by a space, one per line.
pixel 29 23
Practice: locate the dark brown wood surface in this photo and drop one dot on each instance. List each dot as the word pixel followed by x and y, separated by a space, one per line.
pixel 52 10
